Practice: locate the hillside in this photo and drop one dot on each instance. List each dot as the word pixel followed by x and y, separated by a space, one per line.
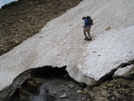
pixel 22 19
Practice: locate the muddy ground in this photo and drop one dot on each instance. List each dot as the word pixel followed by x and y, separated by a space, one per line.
pixel 22 20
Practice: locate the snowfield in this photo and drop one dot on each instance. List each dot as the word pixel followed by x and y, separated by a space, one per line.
pixel 61 43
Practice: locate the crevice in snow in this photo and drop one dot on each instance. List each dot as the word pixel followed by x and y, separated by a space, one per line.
pixel 123 65
pixel 112 72
pixel 126 70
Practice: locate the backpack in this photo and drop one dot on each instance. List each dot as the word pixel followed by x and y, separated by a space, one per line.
pixel 90 21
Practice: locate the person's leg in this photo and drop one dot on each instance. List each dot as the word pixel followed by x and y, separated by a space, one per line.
pixel 88 31
pixel 85 30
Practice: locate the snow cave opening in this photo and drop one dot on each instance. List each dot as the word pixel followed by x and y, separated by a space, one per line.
pixel 33 84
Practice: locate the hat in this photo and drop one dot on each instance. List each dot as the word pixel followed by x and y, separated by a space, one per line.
pixel 83 17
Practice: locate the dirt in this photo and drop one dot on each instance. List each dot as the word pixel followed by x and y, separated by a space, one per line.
pixel 25 19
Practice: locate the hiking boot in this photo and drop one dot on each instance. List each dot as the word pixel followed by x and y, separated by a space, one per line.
pixel 89 39
pixel 86 39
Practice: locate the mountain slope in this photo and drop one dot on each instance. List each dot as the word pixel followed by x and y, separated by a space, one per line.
pixel 23 18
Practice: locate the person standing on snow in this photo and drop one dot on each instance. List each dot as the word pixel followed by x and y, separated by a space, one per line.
pixel 88 22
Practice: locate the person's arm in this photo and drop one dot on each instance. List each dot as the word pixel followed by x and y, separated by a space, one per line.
pixel 85 22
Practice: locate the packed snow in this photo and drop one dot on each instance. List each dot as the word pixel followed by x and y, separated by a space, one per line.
pixel 61 43
pixel 122 71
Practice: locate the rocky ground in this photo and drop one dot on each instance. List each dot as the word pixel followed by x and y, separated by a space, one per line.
pixel 21 20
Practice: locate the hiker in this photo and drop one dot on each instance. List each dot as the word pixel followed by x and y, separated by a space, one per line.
pixel 88 22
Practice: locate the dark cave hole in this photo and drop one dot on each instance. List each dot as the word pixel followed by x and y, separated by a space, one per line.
pixel 49 71
pixel 31 87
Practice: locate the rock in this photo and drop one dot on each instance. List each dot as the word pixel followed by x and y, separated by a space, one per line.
pixel 55 93
pixel 102 99
pixel 16 41
pixel 67 100
pixel 104 92
pixel 23 98
pixel 110 85
pixel 62 86
pixel 24 94
pixel 33 86
pixel 86 90
pixel 83 99
pixel 104 87
pixel 92 94
pixel 71 86
pixel 65 76
pixel 79 91
pixel 116 94
pixel 64 95
pixel 21 20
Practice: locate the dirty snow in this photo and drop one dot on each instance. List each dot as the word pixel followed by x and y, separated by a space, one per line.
pixel 60 43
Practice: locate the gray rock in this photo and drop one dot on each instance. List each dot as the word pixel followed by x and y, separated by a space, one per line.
pixel 79 91
pixel 64 95
pixel 116 94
